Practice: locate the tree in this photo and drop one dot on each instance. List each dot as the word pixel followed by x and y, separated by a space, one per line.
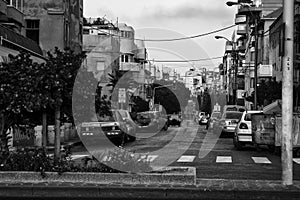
pixel 61 69
pixel 19 80
pixel 172 96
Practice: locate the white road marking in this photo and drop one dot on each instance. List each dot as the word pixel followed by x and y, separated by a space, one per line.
pixel 224 159
pixel 74 157
pixel 150 158
pixel 186 159
pixel 261 160
pixel 297 160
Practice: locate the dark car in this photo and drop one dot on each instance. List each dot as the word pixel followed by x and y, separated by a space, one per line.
pixel 174 120
pixel 111 126
pixel 153 120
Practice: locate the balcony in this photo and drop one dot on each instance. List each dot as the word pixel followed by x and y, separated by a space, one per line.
pixel 242 29
pixel 244 10
pixel 240 19
pixel 134 67
pixel 228 47
pixel 265 71
pixel 14 15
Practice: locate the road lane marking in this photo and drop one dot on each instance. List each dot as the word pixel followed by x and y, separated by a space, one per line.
pixel 297 160
pixel 74 157
pixel 150 158
pixel 224 159
pixel 186 159
pixel 261 160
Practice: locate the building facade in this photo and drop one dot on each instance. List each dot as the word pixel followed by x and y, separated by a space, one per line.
pixel 54 23
pixel 12 39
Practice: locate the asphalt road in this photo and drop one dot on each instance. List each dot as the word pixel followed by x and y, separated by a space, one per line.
pixel 213 155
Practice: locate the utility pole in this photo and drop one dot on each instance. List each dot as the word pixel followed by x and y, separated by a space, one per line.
pixel 287 94
pixel 255 61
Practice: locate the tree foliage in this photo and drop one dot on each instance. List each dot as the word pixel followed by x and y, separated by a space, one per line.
pixel 173 97
pixel 19 79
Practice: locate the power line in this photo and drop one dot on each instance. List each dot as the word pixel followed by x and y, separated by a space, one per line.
pixel 172 39
pixel 189 37
pixel 201 59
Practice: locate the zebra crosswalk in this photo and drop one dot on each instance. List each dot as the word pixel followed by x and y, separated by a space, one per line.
pixel 191 158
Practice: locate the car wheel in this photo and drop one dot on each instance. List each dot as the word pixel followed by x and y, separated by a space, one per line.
pixel 237 144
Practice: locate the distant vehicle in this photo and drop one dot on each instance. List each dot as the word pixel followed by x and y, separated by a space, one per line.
pixel 174 120
pixel 243 131
pixel 229 121
pixel 152 119
pixel 215 117
pixel 234 108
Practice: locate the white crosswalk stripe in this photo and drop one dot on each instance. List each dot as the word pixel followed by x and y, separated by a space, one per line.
pixel 186 158
pixel 261 160
pixel 224 159
pixel 74 157
pixel 150 158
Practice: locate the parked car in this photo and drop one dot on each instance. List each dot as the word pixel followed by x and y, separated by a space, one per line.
pixel 243 131
pixel 112 126
pixel 174 120
pixel 234 108
pixel 229 121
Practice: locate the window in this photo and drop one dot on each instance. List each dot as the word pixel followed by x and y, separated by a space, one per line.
pixel 33 29
pixel 252 83
pixel 126 58
pixel 100 65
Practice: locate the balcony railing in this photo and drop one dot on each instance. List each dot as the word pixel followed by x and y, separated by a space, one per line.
pixel 15 15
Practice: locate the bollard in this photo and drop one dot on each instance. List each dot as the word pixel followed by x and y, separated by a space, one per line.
pixel 51 134
pixel 38 136
pixel 67 131
pixel 62 133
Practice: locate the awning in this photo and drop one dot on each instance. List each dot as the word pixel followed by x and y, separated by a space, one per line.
pixel 4 52
pixel 273 108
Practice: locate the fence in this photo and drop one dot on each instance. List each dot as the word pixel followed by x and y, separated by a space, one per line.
pixel 25 136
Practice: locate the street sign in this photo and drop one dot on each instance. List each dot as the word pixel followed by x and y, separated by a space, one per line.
pixel 122 95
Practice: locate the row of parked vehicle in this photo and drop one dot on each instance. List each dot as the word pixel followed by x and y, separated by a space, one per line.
pixel 121 126
pixel 236 122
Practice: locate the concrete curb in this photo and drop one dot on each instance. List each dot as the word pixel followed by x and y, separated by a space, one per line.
pixel 31 191
pixel 170 175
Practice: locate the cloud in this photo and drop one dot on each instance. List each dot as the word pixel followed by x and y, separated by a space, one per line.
pixel 188 11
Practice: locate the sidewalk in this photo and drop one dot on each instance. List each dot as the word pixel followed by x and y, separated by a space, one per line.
pixel 204 189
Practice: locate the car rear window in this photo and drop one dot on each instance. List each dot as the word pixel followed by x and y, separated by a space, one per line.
pixel 236 115
pixel 248 117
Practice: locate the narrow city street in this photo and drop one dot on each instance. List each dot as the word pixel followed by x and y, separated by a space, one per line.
pixel 213 155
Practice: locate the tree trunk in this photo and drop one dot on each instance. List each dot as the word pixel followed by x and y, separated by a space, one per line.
pixel 45 129
pixel 57 135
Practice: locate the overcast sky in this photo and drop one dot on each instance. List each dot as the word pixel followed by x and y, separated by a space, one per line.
pixel 160 19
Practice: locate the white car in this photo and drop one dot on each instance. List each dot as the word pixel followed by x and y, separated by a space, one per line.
pixel 243 130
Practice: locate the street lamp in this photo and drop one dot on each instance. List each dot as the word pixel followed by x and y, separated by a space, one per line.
pixel 222 37
pixel 247 4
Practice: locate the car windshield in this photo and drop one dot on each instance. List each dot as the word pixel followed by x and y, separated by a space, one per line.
pixel 233 115
pixel 216 115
